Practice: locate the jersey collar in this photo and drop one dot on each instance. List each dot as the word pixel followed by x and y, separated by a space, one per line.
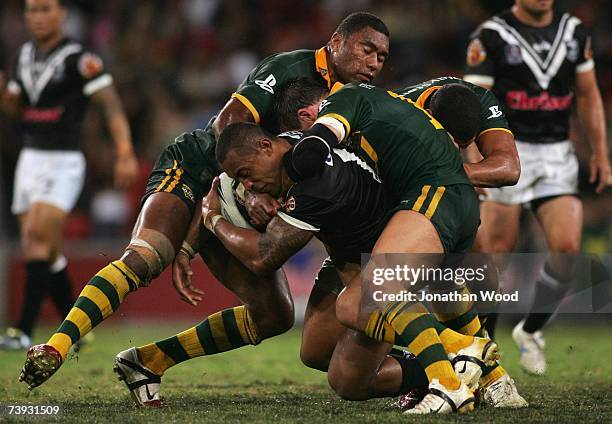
pixel 322 67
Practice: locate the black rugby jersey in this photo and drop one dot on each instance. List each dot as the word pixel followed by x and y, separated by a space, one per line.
pixel 532 71
pixel 54 90
pixel 345 206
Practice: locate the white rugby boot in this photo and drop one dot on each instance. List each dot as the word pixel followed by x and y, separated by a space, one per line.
pixel 504 394
pixel 142 383
pixel 531 347
pixel 440 400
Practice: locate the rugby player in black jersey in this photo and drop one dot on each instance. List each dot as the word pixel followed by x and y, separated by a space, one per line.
pixel 538 63
pixel 355 52
pixel 52 81
pixel 250 157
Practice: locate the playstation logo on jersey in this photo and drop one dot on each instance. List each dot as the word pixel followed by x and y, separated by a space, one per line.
pixel 267 84
pixel 323 104
pixel 513 54
pixel 329 161
pixel 495 112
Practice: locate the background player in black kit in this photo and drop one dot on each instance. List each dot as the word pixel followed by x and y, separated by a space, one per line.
pixel 538 62
pixel 51 84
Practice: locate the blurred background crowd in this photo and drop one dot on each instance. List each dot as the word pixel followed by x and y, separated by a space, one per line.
pixel 175 63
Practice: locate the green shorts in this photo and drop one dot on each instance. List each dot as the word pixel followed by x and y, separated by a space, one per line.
pixel 328 278
pixel 453 210
pixel 185 168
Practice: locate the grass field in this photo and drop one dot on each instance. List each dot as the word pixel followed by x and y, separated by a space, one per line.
pixel 267 383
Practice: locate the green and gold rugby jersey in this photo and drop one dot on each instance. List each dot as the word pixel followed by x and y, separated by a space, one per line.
pixel 491 114
pixel 256 92
pixel 187 166
pixel 407 146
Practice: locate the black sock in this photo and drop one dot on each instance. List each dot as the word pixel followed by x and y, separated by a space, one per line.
pixel 413 374
pixel 550 291
pixel 37 283
pixel 61 292
pixel 490 324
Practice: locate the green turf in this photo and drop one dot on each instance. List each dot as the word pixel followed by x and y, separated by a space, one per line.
pixel 267 383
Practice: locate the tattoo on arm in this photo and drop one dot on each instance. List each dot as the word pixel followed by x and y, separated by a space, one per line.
pixel 281 241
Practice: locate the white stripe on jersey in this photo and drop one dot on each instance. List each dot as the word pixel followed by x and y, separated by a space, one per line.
pixel 33 87
pixel 347 156
pixel 545 71
pixel 296 222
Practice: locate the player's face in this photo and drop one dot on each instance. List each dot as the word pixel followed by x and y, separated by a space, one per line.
pixel 44 18
pixel 535 7
pixel 359 57
pixel 260 171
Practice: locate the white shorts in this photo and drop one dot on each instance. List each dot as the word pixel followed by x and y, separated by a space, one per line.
pixel 48 176
pixel 546 170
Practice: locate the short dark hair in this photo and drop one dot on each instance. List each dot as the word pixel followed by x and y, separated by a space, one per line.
pixel 292 96
pixel 241 136
pixel 457 108
pixel 359 20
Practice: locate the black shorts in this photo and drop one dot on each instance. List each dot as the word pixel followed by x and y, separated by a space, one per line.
pixel 453 210
pixel 328 278
pixel 185 168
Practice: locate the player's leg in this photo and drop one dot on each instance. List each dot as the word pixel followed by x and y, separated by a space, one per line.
pixel 267 311
pixel 47 186
pixel 157 235
pixel 154 240
pixel 561 220
pixel 41 228
pixel 321 330
pixel 362 368
pixel 559 213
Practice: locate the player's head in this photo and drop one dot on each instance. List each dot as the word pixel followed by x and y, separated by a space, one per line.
pixel 45 18
pixel 457 108
pixel 535 7
pixel 296 103
pixel 358 48
pixel 252 155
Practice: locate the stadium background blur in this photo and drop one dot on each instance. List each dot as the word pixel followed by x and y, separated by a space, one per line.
pixel 175 63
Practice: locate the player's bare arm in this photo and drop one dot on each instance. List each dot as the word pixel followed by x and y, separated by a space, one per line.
pixel 262 253
pixel 233 111
pixel 126 167
pixel 591 115
pixel 499 164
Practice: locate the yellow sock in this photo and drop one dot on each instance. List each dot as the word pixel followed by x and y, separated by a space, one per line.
pixel 98 300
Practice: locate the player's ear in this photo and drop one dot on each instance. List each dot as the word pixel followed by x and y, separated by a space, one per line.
pixel 265 145
pixel 306 117
pixel 334 42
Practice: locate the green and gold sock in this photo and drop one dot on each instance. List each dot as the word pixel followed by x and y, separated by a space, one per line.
pixel 98 300
pixel 222 331
pixel 418 330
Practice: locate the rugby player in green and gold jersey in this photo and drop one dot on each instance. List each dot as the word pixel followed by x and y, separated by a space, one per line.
pixel 443 97
pixel 183 172
pixel 436 206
